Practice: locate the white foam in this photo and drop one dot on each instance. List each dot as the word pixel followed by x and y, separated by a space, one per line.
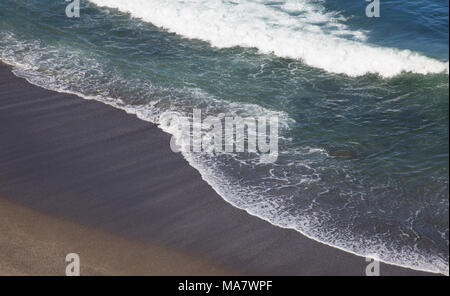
pixel 279 214
pixel 296 29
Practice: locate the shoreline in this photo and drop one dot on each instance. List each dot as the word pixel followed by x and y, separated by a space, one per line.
pixel 94 165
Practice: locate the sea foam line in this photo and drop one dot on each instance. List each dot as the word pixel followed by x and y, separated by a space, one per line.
pixel 294 29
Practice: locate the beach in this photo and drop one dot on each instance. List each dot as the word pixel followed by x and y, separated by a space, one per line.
pixel 34 244
pixel 80 176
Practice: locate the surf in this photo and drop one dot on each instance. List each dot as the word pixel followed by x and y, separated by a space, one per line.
pixel 301 30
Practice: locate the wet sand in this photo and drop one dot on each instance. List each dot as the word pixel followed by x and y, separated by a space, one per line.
pixel 84 167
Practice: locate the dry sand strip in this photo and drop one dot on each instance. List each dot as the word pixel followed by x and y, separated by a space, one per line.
pixel 32 243
pixel 93 165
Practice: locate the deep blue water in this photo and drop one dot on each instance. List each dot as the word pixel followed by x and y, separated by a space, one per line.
pixel 362 102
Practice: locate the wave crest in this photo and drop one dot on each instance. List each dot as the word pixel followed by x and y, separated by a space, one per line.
pixel 296 29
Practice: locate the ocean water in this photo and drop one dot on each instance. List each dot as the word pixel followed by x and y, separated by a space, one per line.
pixel 363 103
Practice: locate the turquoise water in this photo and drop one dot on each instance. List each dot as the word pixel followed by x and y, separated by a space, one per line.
pixel 362 102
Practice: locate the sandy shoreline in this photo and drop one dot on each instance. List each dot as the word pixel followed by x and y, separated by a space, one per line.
pixel 32 243
pixel 111 174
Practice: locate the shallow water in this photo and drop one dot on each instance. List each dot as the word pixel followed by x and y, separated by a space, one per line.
pixel 362 103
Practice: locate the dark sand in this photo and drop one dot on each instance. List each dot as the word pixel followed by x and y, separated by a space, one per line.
pixel 92 165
